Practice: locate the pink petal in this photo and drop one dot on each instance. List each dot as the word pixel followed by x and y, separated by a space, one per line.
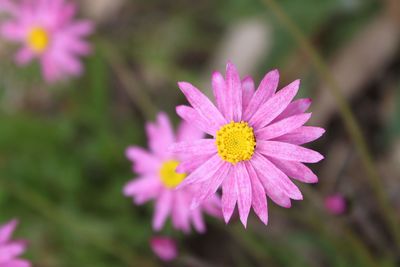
pixel 143 161
pixel 162 209
pixel 259 199
pixel 12 31
pixel 234 93
pixel 265 90
pixel 288 151
pixel 274 105
pixel 140 185
pixel 180 211
pixel 248 91
pixel 194 147
pixel 302 135
pixel 164 247
pixel 219 89
pixel 51 71
pixel 282 127
pixel 160 135
pixel 24 56
pixel 229 196
pixel 335 204
pixel 296 170
pixel 296 107
pixel 243 186
pixel 191 116
pixel 11 250
pixel 198 221
pixel 192 163
pixel 203 105
pixel 6 231
pixel 187 132
pixel 212 206
pixel 16 263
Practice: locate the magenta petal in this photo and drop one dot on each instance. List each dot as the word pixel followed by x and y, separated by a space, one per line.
pixel 302 135
pixel 274 106
pixel 282 127
pixel 180 211
pixel 187 132
pixel 265 90
pixel 194 147
pixel 335 204
pixel 192 163
pixel 143 161
pixel 248 91
pixel 244 196
pixel 162 209
pixel 160 135
pixel 198 221
pixel 295 170
pixel 288 151
pixel 259 199
pixel 7 230
pixel 202 105
pixel 234 88
pixel 11 250
pixel 219 89
pixel 229 196
pixel 164 247
pixel 296 107
pixel 142 184
pixel 190 115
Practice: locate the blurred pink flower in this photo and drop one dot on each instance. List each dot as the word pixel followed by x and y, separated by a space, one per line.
pixel 158 179
pixel 11 250
pixel 335 204
pixel 164 247
pixel 256 144
pixel 47 30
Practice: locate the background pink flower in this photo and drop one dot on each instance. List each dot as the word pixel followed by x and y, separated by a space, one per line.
pixel 164 247
pixel 335 204
pixel 47 30
pixel 11 250
pixel 256 144
pixel 158 179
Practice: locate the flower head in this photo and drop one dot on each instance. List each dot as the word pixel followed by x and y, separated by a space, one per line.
pixel 335 204
pixel 11 250
pixel 158 178
pixel 47 30
pixel 164 247
pixel 256 144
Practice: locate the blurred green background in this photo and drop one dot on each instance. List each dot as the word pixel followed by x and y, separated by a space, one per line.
pixel 62 163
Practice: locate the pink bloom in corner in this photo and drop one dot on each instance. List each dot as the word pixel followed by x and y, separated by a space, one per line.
pixel 158 179
pixel 164 247
pixel 11 250
pixel 47 30
pixel 335 204
pixel 256 144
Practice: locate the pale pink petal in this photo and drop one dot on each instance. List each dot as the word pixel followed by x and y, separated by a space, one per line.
pixel 335 204
pixel 143 161
pixel 288 151
pixel 302 135
pixel 195 147
pixel 160 135
pixel 219 89
pixel 203 105
pixel 80 28
pixel 12 31
pixel 142 184
pixel 180 211
pixel 296 107
pixel 296 170
pixel 16 263
pixel 51 71
pixel 234 93
pixel 11 250
pixel 6 230
pixel 229 196
pixel 265 90
pixel 162 209
pixel 186 132
pixel 282 127
pixel 212 206
pixel 248 91
pixel 274 106
pixel 192 163
pixel 164 247
pixel 190 115
pixel 198 221
pixel 24 56
pixel 244 191
pixel 259 199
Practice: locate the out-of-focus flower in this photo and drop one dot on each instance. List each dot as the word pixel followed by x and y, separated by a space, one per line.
pixel 335 204
pixel 11 250
pixel 164 247
pixel 158 179
pixel 47 30
pixel 256 145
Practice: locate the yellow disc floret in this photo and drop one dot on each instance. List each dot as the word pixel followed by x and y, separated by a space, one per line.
pixel 38 39
pixel 235 142
pixel 169 176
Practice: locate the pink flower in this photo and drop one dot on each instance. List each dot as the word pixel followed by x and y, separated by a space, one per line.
pixel 335 204
pixel 256 144
pixel 158 179
pixel 48 31
pixel 11 250
pixel 164 248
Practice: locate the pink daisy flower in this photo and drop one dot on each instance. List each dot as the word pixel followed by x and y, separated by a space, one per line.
pixel 256 144
pixel 48 31
pixel 164 247
pixel 11 250
pixel 158 179
pixel 335 204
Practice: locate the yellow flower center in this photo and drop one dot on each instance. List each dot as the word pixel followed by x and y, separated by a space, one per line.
pixel 169 176
pixel 38 39
pixel 235 142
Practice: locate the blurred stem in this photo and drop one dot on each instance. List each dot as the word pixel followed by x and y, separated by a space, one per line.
pixel 347 115
pixel 138 96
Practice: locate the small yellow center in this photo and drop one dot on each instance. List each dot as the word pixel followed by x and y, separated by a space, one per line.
pixel 235 142
pixel 169 176
pixel 38 39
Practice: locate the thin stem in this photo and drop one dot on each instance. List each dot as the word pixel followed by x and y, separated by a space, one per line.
pixel 350 122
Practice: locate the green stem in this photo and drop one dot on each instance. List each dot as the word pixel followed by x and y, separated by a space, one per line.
pixel 350 122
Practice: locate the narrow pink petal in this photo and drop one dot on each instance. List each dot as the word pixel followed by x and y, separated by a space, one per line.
pixel 24 56
pixel 198 221
pixel 187 132
pixel 160 135
pixel 203 105
pixel 16 263
pixel 204 172
pixel 50 69
pixel 243 186
pixel 302 135
pixel 81 28
pixel 162 209
pixel 282 127
pixel 141 184
pixel 295 170
pixel 181 211
pixel 265 90
pixel 143 161
pixel 192 163
pixel 248 91
pixel 11 250
pixel 12 31
pixel 212 206
pixel 164 247
pixel 219 89
pixel 288 151
pixel 191 116
pixel 6 230
pixel 194 147
pixel 296 107
pixel 229 196
pixel 234 89
pixel 274 106
pixel 259 199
